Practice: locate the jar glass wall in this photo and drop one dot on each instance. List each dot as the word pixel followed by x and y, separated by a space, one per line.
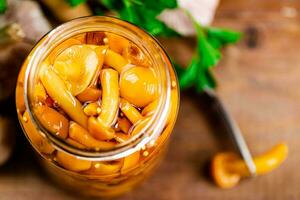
pixel 97 98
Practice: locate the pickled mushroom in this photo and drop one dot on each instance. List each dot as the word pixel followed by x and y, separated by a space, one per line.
pixel 36 138
pixel 142 83
pixel 105 168
pixel 116 43
pixel 53 121
pixel 89 94
pixel 57 90
pixel 82 136
pixel 99 130
pixel 110 96
pixel 72 163
pixel 130 112
pixel 76 66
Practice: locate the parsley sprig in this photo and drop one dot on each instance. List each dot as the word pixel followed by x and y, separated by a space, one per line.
pixel 208 54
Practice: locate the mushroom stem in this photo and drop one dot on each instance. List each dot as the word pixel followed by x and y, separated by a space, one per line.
pixel 110 96
pixel 130 112
pixel 264 163
pixel 57 90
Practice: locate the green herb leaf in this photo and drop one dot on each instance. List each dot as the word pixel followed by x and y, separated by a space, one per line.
pixel 112 4
pixel 128 12
pixel 98 11
pixel 3 6
pixel 215 42
pixel 225 36
pixel 208 54
pixel 156 27
pixel 74 3
pixel 159 5
pixel 195 75
pixel 204 80
pixel 188 77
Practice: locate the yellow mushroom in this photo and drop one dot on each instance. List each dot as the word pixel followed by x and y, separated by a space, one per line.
pixel 39 92
pixel 130 162
pixel 71 162
pixel 130 112
pixel 139 86
pixel 105 168
pixel 37 140
pixel 124 124
pixel 82 136
pixel 76 66
pixel 94 38
pixel 100 51
pixel 92 109
pixel 121 137
pixel 53 121
pixel 89 94
pixel 138 127
pixel 110 96
pixel 80 37
pixel 116 43
pixel 99 130
pixel 115 60
pixel 227 168
pixel 75 143
pixel 135 56
pixel 61 47
pixel 150 108
pixel 57 90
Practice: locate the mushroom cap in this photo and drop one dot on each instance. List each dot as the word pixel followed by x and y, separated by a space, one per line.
pixel 221 173
pixel 139 85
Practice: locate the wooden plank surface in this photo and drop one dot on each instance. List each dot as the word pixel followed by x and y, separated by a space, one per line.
pixel 258 81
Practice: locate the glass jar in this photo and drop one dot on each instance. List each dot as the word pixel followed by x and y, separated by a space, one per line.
pixel 100 172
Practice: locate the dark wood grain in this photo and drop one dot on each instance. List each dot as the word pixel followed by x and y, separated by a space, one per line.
pixel 258 81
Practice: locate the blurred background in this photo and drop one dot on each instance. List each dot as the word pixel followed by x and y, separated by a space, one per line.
pixel 258 80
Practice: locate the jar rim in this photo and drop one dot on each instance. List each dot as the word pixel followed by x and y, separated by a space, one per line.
pixel 109 24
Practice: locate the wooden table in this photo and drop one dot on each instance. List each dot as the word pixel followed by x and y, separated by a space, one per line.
pixel 258 81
